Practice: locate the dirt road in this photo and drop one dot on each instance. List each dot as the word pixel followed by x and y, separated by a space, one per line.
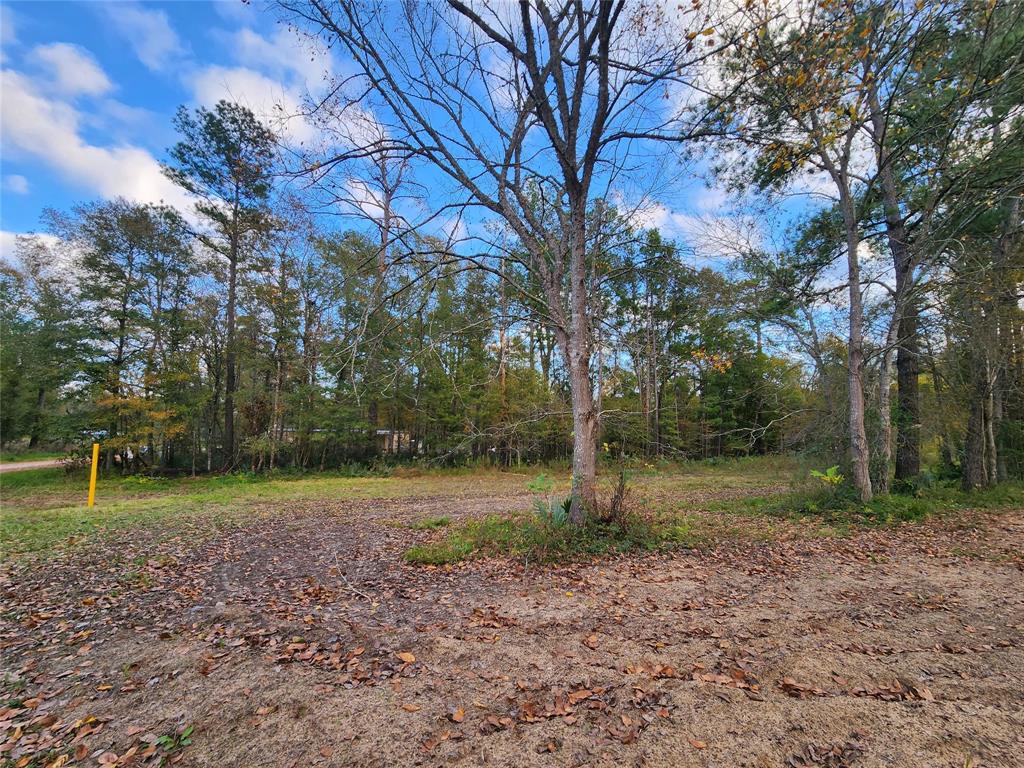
pixel 18 466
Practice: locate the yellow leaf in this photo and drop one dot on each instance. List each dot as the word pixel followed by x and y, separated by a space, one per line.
pixel 407 657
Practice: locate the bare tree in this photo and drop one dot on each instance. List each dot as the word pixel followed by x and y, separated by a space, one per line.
pixel 530 112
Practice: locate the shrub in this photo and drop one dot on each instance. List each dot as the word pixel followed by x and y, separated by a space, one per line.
pixel 830 477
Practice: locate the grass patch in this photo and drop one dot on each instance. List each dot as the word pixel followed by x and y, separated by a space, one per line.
pixel 452 550
pixel 13 457
pixel 533 539
pixel 44 509
pixel 23 532
pixel 430 523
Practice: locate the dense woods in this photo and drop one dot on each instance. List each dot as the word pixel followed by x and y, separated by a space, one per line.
pixel 493 295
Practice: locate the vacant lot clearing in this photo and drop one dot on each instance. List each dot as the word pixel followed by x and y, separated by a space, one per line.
pixel 278 623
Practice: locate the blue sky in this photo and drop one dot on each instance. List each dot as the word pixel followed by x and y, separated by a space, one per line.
pixel 89 90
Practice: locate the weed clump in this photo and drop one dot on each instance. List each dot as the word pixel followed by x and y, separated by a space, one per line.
pixel 547 536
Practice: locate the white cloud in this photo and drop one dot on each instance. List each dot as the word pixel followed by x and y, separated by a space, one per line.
pixel 360 196
pixel 48 130
pixel 710 199
pixel 231 10
pixel 455 230
pixel 273 103
pixel 272 76
pixel 651 216
pixel 16 183
pixel 287 56
pixel 149 32
pixel 713 235
pixel 123 123
pixel 70 70
pixel 9 244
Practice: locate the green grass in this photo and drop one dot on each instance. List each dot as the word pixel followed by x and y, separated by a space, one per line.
pixel 13 457
pixel 23 531
pixel 528 537
pixel 45 508
pixel 430 523
pixel 840 507
pixel 53 487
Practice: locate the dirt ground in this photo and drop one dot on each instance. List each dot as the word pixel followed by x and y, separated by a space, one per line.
pixel 21 466
pixel 303 639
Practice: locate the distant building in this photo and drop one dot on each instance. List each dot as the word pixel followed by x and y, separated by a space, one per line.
pixel 395 441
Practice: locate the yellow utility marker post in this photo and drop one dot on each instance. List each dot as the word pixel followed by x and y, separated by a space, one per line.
pixel 92 473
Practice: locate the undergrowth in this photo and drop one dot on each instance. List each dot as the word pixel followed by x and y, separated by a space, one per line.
pixel 534 539
pixel 543 537
pixel 841 504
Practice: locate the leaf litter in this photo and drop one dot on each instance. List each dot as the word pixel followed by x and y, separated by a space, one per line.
pixel 111 652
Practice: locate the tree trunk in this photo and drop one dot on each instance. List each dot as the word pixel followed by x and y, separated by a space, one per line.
pixel 974 472
pixel 37 419
pixel 860 454
pixel 1002 474
pixel 908 434
pixel 584 444
pixel 578 347
pixel 884 422
pixel 992 461
pixel 975 463
pixel 229 358
pixel 908 439
pixel 653 436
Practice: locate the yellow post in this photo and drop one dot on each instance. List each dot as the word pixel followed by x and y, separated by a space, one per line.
pixel 92 473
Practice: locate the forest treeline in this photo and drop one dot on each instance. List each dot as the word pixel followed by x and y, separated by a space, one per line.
pixel 339 362
pixel 882 331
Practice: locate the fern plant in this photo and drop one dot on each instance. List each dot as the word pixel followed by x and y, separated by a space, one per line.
pixel 830 477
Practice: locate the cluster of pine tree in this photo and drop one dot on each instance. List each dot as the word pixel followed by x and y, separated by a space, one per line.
pixel 118 330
